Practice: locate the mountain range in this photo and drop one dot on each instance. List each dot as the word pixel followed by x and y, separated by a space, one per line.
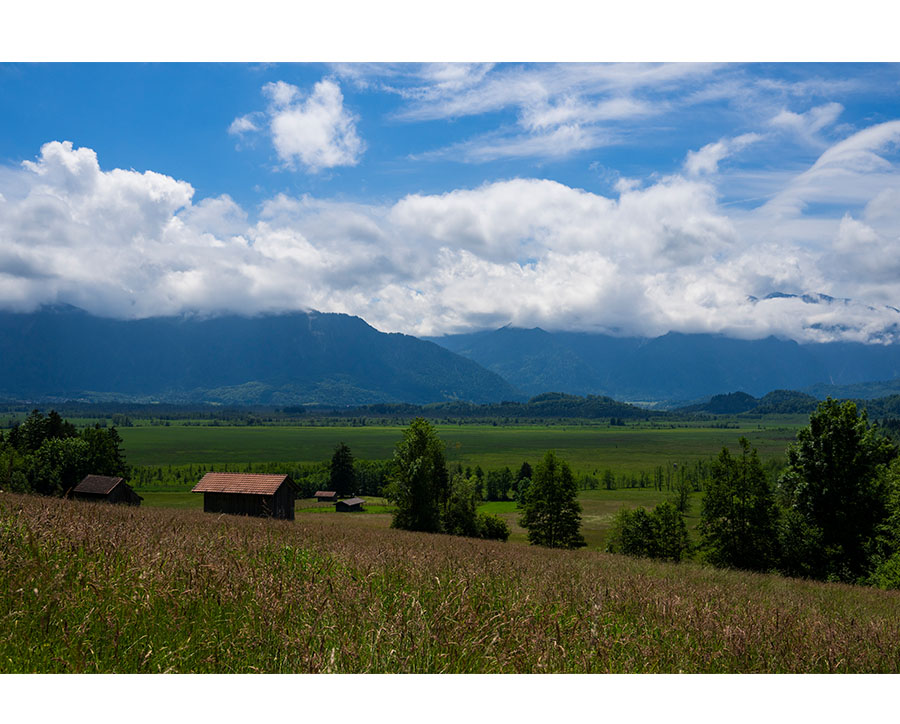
pixel 674 366
pixel 62 352
pixel 294 358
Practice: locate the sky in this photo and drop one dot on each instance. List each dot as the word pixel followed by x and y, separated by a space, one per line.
pixel 635 198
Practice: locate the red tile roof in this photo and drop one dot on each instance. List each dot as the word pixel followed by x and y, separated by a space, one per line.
pixel 97 485
pixel 249 483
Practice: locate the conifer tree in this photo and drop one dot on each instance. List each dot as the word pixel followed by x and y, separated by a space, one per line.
pixel 738 517
pixel 552 513
pixel 342 478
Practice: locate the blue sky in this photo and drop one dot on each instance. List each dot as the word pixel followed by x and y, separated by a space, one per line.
pixel 630 198
pixel 429 129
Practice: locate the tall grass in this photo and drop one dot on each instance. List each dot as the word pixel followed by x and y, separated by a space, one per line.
pixel 94 588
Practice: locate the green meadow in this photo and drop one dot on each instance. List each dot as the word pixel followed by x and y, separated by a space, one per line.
pixel 587 448
pixel 90 588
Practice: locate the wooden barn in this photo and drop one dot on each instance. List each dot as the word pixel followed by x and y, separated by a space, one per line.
pixel 325 496
pixel 106 489
pixel 350 505
pixel 248 494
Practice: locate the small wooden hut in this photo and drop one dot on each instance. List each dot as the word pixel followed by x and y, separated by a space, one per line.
pixel 107 489
pixel 350 505
pixel 248 494
pixel 325 496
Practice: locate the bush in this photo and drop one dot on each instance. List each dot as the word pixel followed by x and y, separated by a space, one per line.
pixel 492 527
pixel 659 534
pixel 887 574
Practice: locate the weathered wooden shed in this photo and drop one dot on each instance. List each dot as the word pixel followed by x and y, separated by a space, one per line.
pixel 107 489
pixel 248 494
pixel 350 505
pixel 325 496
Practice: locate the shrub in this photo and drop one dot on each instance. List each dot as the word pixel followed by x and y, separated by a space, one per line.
pixel 659 534
pixel 887 574
pixel 492 527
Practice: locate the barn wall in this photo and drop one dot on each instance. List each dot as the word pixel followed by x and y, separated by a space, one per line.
pixel 235 503
pixel 284 502
pixel 342 507
pixel 89 496
pixel 123 493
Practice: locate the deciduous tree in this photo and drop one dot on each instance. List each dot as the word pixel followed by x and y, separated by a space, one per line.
pixel 419 483
pixel 661 533
pixel 836 492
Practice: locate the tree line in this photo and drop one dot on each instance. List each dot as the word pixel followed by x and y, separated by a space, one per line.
pixel 833 514
pixel 47 455
pixel 429 497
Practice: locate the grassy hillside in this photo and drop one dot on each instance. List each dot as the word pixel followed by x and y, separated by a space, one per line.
pixel 92 588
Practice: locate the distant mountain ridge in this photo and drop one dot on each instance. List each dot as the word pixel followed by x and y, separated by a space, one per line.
pixel 334 359
pixel 785 402
pixel 674 366
pixel 276 359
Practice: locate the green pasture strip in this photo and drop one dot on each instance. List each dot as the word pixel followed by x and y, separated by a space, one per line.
pixel 586 449
pixel 598 508
pixel 87 588
pixel 183 501
pixel 194 501
pixel 178 445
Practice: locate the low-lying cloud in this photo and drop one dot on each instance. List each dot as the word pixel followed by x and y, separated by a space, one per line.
pixel 530 252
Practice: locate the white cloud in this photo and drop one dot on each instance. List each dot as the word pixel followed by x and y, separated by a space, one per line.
pixel 242 124
pixel 851 172
pixel 560 108
pixel 281 94
pixel 706 160
pixel 552 110
pixel 569 110
pixel 520 87
pixel 316 132
pixel 557 142
pixel 807 125
pixel 662 256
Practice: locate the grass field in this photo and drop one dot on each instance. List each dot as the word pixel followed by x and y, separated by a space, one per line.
pixel 587 449
pixel 598 509
pixel 94 588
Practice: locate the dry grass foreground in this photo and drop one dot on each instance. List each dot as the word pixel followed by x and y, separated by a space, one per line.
pixel 94 588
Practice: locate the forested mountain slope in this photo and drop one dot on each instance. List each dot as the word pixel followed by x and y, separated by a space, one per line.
pixel 278 359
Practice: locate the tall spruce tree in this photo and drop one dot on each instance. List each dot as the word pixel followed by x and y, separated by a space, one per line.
pixel 552 513
pixel 738 516
pixel 342 478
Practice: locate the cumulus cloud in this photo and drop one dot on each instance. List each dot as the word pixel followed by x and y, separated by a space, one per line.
pixel 658 257
pixel 315 132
